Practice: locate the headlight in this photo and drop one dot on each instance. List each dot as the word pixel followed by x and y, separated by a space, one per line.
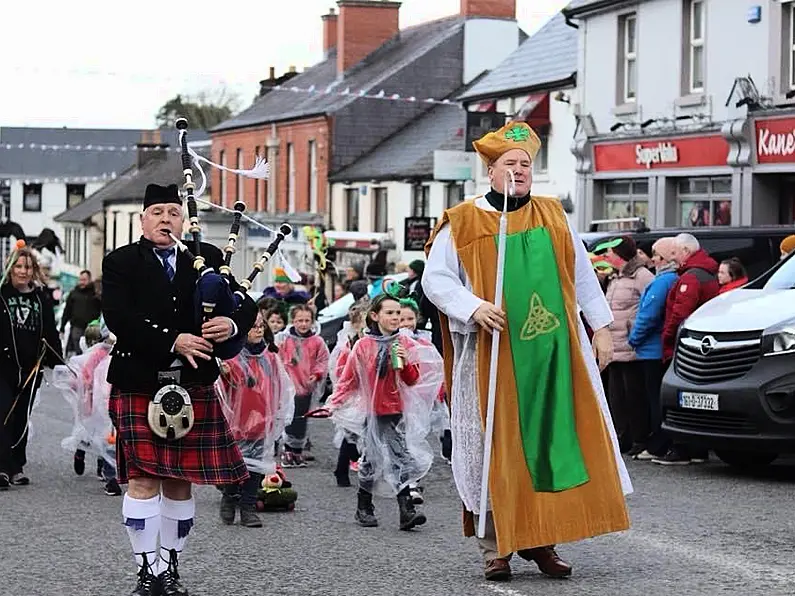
pixel 779 340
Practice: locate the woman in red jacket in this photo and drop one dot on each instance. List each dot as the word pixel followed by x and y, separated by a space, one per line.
pixel 381 398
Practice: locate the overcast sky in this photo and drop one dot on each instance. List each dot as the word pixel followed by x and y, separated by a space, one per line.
pixel 105 64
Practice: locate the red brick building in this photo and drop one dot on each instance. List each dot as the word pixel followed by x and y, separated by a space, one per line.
pixel 308 136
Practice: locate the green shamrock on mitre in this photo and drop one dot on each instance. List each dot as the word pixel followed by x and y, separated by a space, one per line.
pixel 517 134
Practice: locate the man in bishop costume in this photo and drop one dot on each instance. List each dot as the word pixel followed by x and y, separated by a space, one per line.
pixel 556 470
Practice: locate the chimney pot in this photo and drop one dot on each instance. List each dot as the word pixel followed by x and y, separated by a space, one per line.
pixel 329 32
pixel 292 69
pixel 272 73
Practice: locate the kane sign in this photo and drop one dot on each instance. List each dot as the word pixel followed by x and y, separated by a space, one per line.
pixel 775 140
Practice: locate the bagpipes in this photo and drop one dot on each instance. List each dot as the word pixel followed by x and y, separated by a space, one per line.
pixel 214 295
pixel 170 413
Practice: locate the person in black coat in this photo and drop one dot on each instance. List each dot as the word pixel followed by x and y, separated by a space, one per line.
pixel 149 303
pixel 27 326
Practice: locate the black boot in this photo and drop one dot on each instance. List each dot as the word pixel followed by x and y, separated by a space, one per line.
pixel 365 512
pixel 169 579
pixel 342 473
pixel 79 462
pixel 228 508
pixel 147 582
pixel 409 516
pixel 248 502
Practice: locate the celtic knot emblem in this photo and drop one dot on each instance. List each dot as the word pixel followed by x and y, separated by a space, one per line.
pixel 517 134
pixel 540 321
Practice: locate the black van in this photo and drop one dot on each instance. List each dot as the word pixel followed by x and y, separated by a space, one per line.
pixel 757 247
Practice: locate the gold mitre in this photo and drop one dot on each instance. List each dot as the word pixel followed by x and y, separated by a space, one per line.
pixel 514 135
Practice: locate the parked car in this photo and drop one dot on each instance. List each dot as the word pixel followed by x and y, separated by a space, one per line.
pixel 756 246
pixel 731 387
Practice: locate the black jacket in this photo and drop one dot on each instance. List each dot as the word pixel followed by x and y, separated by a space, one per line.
pixel 146 312
pixel 82 307
pixel 9 357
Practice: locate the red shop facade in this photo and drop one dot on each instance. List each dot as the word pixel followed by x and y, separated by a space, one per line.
pixel 773 168
pixel 677 180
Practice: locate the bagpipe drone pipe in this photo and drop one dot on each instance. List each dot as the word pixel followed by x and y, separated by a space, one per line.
pixel 214 294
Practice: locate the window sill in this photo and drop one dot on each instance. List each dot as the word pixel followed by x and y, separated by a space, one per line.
pixel 780 99
pixel 625 109
pixel 541 176
pixel 690 101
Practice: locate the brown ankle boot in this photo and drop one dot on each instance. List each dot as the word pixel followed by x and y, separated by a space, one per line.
pixel 548 561
pixel 497 570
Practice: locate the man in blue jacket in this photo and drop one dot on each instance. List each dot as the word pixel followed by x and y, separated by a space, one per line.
pixel 646 339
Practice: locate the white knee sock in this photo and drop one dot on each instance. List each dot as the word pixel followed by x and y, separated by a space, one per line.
pixel 176 522
pixel 142 519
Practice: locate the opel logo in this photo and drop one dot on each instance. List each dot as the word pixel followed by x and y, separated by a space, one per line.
pixel 707 344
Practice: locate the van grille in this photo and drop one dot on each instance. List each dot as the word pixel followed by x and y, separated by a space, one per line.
pixel 712 358
pixel 720 422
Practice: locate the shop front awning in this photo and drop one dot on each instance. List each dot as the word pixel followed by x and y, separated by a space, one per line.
pixel 486 106
pixel 535 111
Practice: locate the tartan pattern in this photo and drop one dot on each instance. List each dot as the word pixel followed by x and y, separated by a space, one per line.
pixel 208 454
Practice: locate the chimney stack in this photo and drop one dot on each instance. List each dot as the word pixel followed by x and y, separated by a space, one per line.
pixel 496 9
pixel 151 147
pixel 364 26
pixel 329 32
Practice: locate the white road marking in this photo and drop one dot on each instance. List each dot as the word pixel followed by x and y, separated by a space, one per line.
pixel 503 590
pixel 731 563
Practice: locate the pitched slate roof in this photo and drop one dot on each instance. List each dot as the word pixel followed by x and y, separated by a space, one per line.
pixel 409 152
pixel 130 186
pixel 545 58
pixel 20 162
pixel 385 62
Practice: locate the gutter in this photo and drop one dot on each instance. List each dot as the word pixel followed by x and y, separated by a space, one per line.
pixel 266 122
pixel 577 12
pixel 571 80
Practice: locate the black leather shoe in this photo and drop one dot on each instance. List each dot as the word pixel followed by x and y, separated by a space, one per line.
pixel 147 582
pixel 169 579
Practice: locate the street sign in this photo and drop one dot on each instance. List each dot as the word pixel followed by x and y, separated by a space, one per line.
pixel 454 165
pixel 417 232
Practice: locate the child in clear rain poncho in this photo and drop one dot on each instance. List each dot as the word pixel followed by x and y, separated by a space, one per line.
pixel 257 397
pixel 440 414
pixel 382 398
pixel 351 332
pixel 83 384
pixel 305 356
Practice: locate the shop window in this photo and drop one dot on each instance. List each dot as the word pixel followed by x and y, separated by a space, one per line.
pixel 31 197
pixel 352 209
pixel 626 199
pixel 627 59
pixel 381 211
pixel 705 201
pixel 420 201
pixel 454 194
pixel 693 55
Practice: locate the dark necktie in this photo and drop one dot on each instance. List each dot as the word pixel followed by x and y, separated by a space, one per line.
pixel 165 255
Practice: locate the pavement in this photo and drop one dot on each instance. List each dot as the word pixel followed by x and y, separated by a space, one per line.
pixel 696 530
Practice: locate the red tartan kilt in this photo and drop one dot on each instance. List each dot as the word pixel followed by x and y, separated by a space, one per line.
pixel 208 454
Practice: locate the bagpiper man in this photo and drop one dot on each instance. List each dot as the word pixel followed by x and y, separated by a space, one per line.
pixel 556 474
pixel 171 432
